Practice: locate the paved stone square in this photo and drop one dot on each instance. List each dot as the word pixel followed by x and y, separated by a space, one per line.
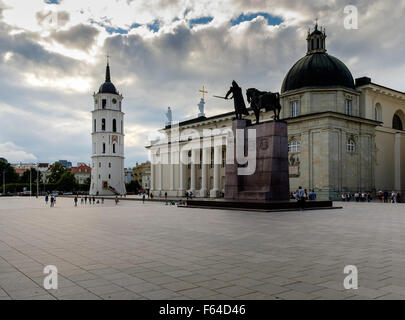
pixel 153 251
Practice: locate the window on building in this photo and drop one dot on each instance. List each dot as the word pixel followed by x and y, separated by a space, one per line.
pixel 109 164
pixel 294 146
pixel 377 112
pixel 103 124
pixel 104 103
pixel 114 125
pixel 113 147
pixel 295 106
pixel 351 146
pixel 201 159
pixel 122 126
pixel 99 176
pixel 103 147
pixel 349 107
pixel 109 176
pixel 95 126
pixel 397 122
pixel 223 157
pixel 99 164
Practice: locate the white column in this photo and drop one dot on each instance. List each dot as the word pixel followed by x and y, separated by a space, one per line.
pixel 182 172
pixel 160 173
pixel 214 193
pixel 397 161
pixel 152 176
pixel 194 154
pixel 171 155
pixel 204 172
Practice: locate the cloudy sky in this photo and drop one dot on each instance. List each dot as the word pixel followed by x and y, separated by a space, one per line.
pixel 53 56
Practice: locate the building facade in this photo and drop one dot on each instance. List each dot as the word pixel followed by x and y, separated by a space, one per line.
pixel 139 170
pixel 82 172
pixel 107 177
pixel 344 135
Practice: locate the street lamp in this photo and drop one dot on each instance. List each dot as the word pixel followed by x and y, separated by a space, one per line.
pixel 4 183
pixel 37 179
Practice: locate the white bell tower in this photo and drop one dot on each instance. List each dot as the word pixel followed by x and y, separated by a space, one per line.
pixel 107 172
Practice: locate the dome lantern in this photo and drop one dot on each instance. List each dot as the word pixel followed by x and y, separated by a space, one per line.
pixel 316 40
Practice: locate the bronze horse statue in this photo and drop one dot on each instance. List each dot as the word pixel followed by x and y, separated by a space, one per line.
pixel 264 100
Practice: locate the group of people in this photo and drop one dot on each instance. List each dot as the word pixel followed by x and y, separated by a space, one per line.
pixel 303 194
pixel 385 196
pixel 382 196
pixel 83 199
pixel 357 196
pixel 51 199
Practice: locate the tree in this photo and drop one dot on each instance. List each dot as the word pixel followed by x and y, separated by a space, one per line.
pixel 57 170
pixel 133 186
pixel 25 177
pixel 10 174
pixel 67 181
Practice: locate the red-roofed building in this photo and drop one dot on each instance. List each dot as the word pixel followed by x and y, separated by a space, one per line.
pixel 81 172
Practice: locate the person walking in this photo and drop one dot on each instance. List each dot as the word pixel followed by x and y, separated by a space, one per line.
pixel 385 196
pixel 116 200
pixel 165 195
pixel 51 201
pixel 143 198
pixel 94 200
pixel 393 196
pixel 85 199
pixel 46 199
pixel 81 199
pixel 89 200
pixel 102 200
pixel 357 197
pixel 75 201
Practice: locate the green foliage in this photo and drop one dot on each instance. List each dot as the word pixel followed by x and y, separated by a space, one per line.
pixel 67 182
pixel 25 177
pixel 133 186
pixel 57 170
pixel 10 174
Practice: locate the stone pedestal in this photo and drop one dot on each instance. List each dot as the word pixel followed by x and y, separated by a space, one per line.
pixel 270 180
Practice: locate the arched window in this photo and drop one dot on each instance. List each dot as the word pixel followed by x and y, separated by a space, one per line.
pixel 113 147
pixel 377 112
pixel 397 122
pixel 114 125
pixel 103 124
pixel 103 147
pixel 294 146
pixel 295 108
pixel 351 146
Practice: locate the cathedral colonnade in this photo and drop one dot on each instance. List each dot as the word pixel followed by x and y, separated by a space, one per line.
pixel 196 166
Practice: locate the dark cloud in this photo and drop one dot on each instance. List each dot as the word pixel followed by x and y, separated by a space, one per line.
pixel 168 68
pixel 79 37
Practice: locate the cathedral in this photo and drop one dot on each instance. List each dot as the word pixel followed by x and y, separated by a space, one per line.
pixel 107 174
pixel 344 135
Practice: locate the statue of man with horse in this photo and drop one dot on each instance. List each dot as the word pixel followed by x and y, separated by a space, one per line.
pixel 258 100
pixel 268 101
